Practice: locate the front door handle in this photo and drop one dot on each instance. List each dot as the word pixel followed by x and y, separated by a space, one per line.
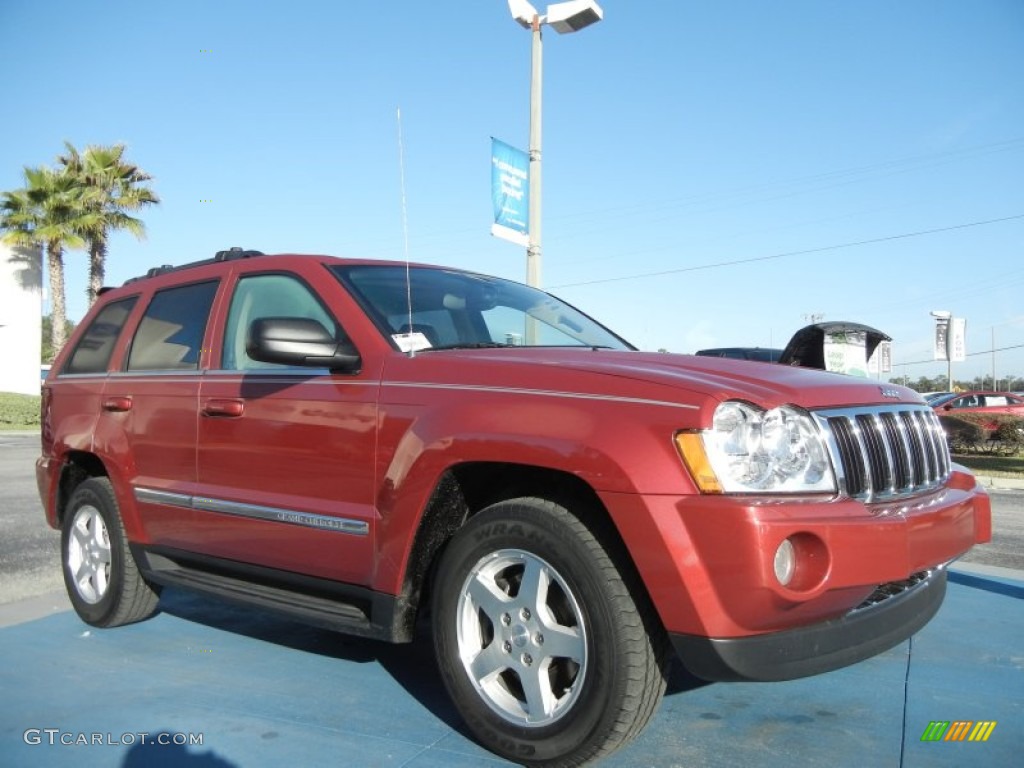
pixel 230 408
pixel 117 404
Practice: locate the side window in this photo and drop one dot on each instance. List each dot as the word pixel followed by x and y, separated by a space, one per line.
pixel 259 296
pixel 92 352
pixel 170 335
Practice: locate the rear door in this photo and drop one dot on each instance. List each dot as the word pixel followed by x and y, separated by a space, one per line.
pixel 155 397
pixel 285 461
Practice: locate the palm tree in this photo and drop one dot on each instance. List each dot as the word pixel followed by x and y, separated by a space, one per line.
pixel 48 213
pixel 111 188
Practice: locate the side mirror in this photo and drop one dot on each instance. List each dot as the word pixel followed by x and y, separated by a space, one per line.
pixel 300 341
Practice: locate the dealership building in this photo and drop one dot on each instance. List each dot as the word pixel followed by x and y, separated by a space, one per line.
pixel 21 310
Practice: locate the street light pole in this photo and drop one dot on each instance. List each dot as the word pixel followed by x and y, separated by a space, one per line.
pixel 995 384
pixel 533 275
pixel 949 366
pixel 565 18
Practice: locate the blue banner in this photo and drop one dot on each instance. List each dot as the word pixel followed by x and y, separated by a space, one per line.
pixel 510 192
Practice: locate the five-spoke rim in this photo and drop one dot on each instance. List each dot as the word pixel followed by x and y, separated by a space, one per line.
pixel 89 554
pixel 522 637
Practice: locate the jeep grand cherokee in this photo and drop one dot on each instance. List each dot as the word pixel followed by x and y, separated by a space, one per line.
pixel 357 444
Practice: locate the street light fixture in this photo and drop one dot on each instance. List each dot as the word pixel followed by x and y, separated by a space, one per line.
pixel 564 18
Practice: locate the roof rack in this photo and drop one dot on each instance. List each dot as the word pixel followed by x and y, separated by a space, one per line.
pixel 235 253
pixel 229 255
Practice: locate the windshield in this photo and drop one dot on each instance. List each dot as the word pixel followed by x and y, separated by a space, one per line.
pixel 452 309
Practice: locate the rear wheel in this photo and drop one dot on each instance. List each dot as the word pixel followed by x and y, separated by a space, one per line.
pixel 103 582
pixel 545 646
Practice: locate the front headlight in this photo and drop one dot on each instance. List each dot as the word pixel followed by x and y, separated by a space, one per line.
pixel 749 450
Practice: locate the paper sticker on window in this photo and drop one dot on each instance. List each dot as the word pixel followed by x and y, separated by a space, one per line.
pixel 411 342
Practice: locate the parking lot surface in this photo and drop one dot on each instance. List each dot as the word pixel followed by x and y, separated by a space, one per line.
pixel 208 684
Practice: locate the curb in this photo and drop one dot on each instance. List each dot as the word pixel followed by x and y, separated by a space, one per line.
pixel 1001 483
pixel 32 608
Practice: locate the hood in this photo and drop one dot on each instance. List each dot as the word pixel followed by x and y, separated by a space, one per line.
pixel 662 376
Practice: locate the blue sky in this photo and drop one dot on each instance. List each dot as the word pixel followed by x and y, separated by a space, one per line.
pixel 802 144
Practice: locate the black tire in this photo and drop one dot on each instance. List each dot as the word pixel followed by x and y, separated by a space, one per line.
pixel 102 579
pixel 596 679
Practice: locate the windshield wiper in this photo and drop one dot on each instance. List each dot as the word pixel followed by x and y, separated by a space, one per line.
pixel 474 345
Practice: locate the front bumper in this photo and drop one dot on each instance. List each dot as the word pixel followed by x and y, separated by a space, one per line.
pixel 811 650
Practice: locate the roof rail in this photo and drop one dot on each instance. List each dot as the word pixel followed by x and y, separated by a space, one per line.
pixel 229 255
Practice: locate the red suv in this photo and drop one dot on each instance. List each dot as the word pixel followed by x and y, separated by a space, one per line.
pixel 980 402
pixel 359 443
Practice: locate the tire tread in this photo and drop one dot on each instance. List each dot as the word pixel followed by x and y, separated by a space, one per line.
pixel 641 647
pixel 135 599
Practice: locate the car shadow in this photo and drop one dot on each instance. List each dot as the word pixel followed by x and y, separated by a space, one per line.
pixel 411 665
pixel 165 753
pixel 679 680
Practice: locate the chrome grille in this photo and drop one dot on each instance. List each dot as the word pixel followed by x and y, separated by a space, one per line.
pixel 886 452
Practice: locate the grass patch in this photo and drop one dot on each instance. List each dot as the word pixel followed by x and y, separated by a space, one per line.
pixel 19 411
pixel 996 466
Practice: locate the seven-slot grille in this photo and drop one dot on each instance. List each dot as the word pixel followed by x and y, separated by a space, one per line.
pixel 886 452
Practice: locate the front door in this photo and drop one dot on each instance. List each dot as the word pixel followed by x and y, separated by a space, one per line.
pixel 285 460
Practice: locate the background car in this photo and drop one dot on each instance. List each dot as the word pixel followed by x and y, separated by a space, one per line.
pixel 761 354
pixel 807 348
pixel 980 402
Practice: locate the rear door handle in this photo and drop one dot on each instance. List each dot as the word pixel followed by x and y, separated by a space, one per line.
pixel 117 404
pixel 230 408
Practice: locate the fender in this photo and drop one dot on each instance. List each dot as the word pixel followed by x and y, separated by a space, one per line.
pixel 111 446
pixel 580 437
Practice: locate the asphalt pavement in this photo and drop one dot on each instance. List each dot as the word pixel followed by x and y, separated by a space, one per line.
pixel 29 549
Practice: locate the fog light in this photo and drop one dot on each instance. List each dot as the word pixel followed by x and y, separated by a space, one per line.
pixel 785 562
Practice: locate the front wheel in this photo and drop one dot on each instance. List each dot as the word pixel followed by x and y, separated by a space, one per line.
pixel 547 648
pixel 103 582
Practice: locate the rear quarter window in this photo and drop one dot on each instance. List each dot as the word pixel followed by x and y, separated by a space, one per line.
pixel 93 351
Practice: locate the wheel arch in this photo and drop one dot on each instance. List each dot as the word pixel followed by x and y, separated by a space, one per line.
pixel 464 490
pixel 77 467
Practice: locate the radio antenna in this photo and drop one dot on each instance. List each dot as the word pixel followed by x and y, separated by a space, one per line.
pixel 405 233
